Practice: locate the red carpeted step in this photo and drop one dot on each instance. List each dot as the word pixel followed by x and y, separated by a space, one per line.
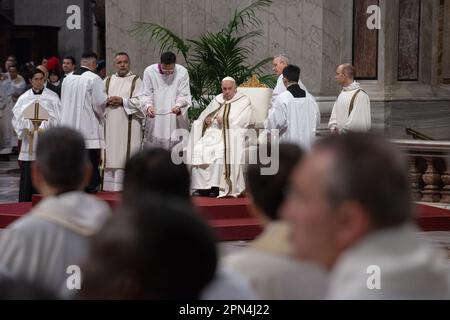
pixel 236 229
pixel 9 212
pixel 229 208
pixel 431 218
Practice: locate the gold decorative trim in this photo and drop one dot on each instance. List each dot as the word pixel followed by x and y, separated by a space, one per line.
pixel 225 132
pixel 253 82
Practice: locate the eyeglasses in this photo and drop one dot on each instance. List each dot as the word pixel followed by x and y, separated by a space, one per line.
pixel 167 71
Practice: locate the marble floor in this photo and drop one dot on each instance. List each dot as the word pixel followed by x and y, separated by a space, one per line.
pixel 9 180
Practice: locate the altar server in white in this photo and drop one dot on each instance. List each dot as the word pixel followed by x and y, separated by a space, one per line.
pixel 351 111
pixel 280 62
pixel 28 132
pixel 166 98
pixel 295 115
pixel 83 98
pixel 124 116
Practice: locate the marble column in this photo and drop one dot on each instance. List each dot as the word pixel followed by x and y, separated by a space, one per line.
pixel 409 34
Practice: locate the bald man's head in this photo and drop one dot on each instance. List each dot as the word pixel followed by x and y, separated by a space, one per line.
pixel 345 74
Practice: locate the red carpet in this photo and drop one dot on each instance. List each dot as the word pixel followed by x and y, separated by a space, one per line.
pixel 230 217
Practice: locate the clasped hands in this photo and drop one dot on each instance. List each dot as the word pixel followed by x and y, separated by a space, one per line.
pixel 115 102
pixel 209 120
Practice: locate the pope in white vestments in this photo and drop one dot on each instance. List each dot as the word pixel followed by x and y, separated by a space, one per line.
pixel 123 127
pixel 217 142
pixel 294 114
pixel 351 111
pixel 166 97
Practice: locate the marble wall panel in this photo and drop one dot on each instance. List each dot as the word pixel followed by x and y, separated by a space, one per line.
pixel 365 42
pixel 408 40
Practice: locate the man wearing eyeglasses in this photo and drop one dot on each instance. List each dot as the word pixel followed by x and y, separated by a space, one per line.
pixel 166 98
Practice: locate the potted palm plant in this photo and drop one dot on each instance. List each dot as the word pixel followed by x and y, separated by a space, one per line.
pixel 214 56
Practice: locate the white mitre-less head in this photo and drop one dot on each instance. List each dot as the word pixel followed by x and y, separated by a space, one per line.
pixel 228 79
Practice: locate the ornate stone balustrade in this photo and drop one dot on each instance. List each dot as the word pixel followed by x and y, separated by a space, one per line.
pixel 429 169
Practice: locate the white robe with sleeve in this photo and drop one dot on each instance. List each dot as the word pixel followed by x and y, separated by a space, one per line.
pixel 116 128
pixel 163 92
pixel 40 246
pixel 24 127
pixel 296 119
pixel 272 270
pixel 217 153
pixel 83 101
pixel 280 88
pixel 406 267
pixel 359 119
pixel 6 90
pixel 9 139
pixel 19 86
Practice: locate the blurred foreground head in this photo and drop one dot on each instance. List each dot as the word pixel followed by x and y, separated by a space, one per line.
pixel 348 187
pixel 153 170
pixel 267 191
pixel 155 248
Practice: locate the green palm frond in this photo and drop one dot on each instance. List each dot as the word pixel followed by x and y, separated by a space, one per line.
pixel 269 80
pixel 155 32
pixel 247 16
pixel 214 55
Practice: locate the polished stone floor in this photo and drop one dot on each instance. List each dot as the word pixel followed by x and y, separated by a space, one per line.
pixel 9 180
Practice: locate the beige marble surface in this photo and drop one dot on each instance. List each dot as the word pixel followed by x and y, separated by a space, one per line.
pixel 317 34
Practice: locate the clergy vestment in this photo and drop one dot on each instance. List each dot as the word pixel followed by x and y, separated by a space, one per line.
pixel 29 134
pixel 123 127
pixel 216 153
pixel 18 86
pixel 351 111
pixel 5 97
pixel 280 88
pixel 84 99
pixel 164 92
pixel 406 267
pixel 272 270
pixel 40 246
pixel 296 116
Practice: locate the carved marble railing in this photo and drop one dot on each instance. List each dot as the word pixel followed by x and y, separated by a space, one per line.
pixel 429 169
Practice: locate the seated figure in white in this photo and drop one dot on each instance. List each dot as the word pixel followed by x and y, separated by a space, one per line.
pixel 217 143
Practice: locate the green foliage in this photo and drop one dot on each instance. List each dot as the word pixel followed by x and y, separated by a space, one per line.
pixel 214 55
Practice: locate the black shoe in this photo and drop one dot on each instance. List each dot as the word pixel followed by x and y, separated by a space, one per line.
pixel 93 189
pixel 214 192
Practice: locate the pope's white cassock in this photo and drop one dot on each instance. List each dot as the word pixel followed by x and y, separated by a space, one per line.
pixel 296 118
pixel 123 128
pixel 24 127
pixel 12 89
pixel 390 264
pixel 216 153
pixel 164 92
pixel 347 116
pixel 280 88
pixel 83 98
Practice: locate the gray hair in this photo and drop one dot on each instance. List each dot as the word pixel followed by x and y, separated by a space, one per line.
pixel 282 57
